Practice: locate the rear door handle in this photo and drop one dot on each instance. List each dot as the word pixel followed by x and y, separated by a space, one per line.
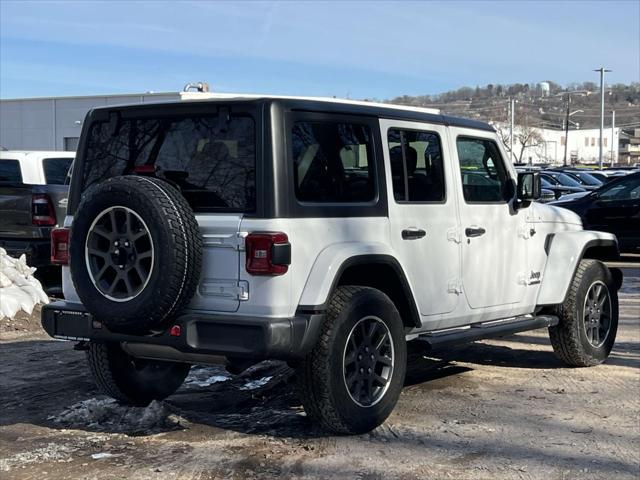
pixel 474 231
pixel 412 233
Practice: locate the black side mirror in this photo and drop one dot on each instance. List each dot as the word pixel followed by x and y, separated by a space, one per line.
pixel 529 186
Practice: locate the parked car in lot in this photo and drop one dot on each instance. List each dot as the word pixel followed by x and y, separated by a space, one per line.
pixel 585 178
pixel 321 232
pixel 615 208
pixel 33 200
pixel 565 180
pixel 559 190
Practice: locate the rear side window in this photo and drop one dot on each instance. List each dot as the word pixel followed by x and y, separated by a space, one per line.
pixel 333 162
pixel 482 170
pixel 212 161
pixel 56 170
pixel 416 166
pixel 10 171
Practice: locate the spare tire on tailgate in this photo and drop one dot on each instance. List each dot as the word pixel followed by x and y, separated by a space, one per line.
pixel 135 253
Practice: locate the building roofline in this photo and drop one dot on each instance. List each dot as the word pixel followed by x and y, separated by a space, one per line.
pixel 75 97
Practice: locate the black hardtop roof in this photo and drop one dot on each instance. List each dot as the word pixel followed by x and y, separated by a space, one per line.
pixel 313 105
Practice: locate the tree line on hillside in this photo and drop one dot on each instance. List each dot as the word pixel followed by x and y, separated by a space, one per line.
pixel 536 107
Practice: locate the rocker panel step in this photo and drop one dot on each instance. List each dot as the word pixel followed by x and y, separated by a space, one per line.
pixel 480 331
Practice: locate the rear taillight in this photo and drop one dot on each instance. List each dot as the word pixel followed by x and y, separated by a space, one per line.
pixel 60 246
pixel 268 253
pixel 42 211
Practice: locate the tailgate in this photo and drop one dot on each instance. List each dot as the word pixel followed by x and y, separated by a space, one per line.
pixel 15 212
pixel 59 196
pixel 220 288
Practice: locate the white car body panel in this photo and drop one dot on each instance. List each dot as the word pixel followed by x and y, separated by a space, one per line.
pixel 436 278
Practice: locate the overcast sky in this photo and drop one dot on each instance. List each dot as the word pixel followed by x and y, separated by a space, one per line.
pixel 356 49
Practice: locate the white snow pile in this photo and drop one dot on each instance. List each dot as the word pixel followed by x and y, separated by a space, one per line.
pixel 19 289
pixel 254 384
pixel 200 376
pixel 106 415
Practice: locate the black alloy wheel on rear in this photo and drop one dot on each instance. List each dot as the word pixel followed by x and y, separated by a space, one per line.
pixel 119 253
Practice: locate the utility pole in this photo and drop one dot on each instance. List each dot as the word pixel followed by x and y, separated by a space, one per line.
pixel 602 71
pixel 566 129
pixel 512 104
pixel 613 136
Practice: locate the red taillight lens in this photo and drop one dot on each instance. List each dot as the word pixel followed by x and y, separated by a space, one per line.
pixel 60 246
pixel 42 212
pixel 268 253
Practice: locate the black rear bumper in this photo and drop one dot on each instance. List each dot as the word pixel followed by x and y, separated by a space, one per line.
pixel 201 334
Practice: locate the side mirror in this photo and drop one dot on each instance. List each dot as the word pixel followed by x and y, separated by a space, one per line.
pixel 529 186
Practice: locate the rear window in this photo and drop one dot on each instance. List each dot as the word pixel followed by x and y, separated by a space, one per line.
pixel 10 171
pixel 56 170
pixel 212 161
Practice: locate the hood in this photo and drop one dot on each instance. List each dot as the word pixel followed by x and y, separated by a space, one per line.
pixel 545 213
pixel 569 197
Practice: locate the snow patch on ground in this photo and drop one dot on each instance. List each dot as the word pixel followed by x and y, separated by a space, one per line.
pixel 52 452
pixel 253 384
pixel 107 415
pixel 19 289
pixel 206 376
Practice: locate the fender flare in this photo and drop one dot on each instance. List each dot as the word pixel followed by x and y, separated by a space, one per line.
pixel 564 252
pixel 335 259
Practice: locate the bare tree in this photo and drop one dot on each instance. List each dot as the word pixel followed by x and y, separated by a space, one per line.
pixel 528 137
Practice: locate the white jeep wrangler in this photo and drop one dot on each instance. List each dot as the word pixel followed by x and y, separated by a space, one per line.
pixel 321 232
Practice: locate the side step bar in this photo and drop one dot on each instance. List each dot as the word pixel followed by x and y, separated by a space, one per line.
pixel 480 331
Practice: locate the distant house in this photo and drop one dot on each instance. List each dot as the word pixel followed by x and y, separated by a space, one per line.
pixel 629 153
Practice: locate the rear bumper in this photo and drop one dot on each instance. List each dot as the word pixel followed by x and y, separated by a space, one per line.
pixel 201 334
pixel 37 251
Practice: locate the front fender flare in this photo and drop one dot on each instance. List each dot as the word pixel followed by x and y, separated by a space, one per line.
pixel 564 252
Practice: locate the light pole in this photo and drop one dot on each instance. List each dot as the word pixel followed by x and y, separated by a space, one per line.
pixel 613 136
pixel 602 71
pixel 566 126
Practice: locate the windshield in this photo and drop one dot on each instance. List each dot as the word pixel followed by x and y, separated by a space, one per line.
pixel 588 179
pixel 566 180
pixel 212 162
pixel 549 179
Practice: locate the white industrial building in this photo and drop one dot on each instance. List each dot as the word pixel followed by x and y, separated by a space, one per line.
pixel 548 145
pixel 54 123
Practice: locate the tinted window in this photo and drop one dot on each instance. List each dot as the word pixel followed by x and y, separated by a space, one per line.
pixel 416 166
pixel 212 162
pixel 333 162
pixel 566 180
pixel 588 179
pixel 56 169
pixel 10 171
pixel 627 189
pixel 482 170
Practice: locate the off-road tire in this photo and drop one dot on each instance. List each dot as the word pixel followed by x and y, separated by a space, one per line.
pixel 130 380
pixel 177 245
pixel 321 383
pixel 569 337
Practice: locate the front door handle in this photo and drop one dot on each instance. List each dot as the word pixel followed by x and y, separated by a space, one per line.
pixel 412 233
pixel 474 231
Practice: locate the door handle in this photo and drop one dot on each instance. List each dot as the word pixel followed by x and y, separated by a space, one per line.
pixel 412 233
pixel 474 231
